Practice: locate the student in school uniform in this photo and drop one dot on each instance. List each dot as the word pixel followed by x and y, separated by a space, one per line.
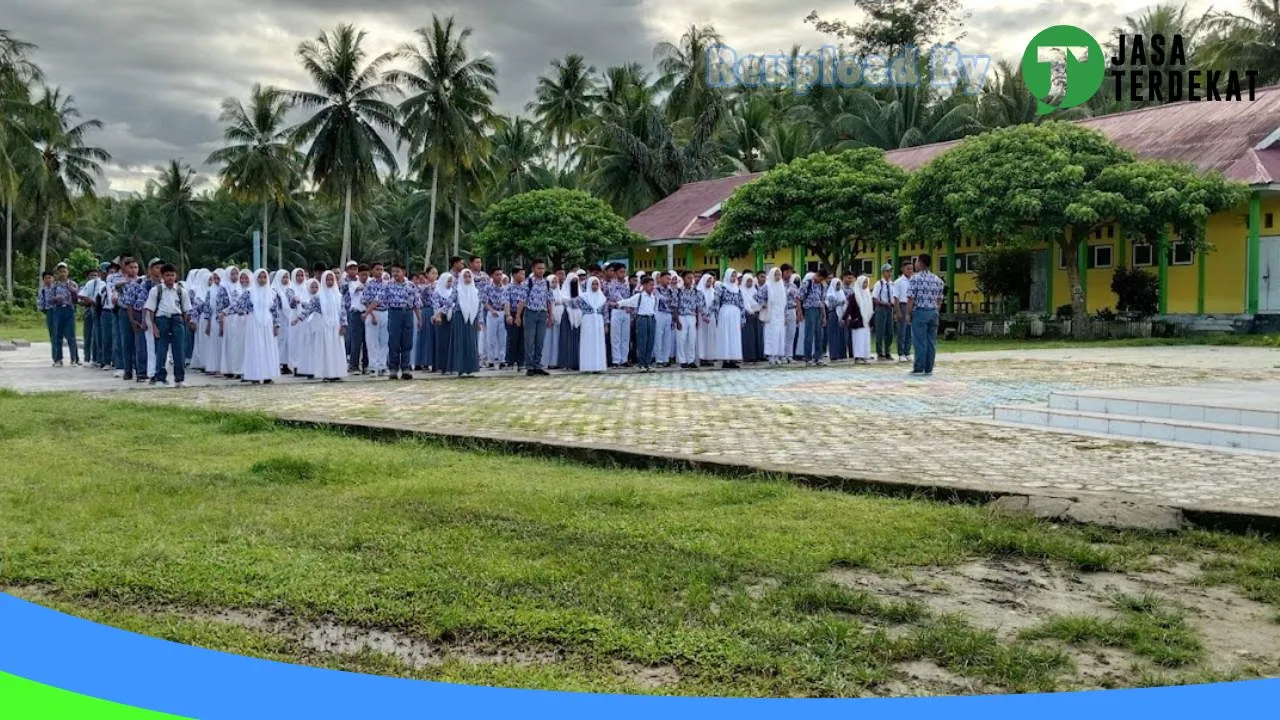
pixel 555 329
pixel 88 299
pixel 168 309
pixel 512 297
pixel 838 347
pixel 858 317
pixel 109 324
pixel 135 298
pixel 150 280
pixel 592 306
pixel 425 341
pixel 884 299
pixel 62 298
pixel 570 324
pixel 216 299
pixel 811 302
pixel 258 307
pixel 322 310
pixel 495 326
pixel 234 321
pixel 442 310
pixel 707 332
pixel 279 284
pixel 645 304
pixel 727 309
pixel 400 300
pixel 688 305
pixel 534 316
pixel 902 317
pixel 43 297
pixel 664 343
pixel 617 290
pixel 464 356
pixel 376 334
pixel 752 335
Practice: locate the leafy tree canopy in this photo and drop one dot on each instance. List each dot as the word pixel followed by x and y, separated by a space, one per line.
pixel 835 206
pixel 557 225
pixel 1156 196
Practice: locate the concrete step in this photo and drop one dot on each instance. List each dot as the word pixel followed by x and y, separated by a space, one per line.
pixel 1155 429
pixel 1243 408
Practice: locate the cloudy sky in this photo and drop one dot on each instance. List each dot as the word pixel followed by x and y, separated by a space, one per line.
pixel 154 71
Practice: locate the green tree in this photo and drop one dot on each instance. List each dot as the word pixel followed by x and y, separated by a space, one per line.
pixel 1249 42
pixel 835 206
pixel 1021 185
pixel 683 71
pixel 17 114
pixel 348 112
pixel 259 163
pixel 1150 198
pixel 67 165
pixel 557 225
pixel 176 204
pixel 448 109
pixel 564 102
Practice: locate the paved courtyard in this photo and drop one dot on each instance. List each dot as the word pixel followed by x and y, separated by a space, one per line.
pixel 870 423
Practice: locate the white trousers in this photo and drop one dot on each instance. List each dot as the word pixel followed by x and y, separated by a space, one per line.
pixel 620 335
pixel 664 344
pixel 151 347
pixel 495 338
pixel 376 339
pixel 687 340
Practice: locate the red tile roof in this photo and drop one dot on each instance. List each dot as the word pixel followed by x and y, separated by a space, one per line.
pixel 1210 135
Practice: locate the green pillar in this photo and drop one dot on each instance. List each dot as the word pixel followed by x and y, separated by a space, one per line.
pixel 759 260
pixel 724 265
pixel 1122 249
pixel 951 275
pixel 1200 272
pixel 798 260
pixel 879 259
pixel 688 256
pixel 1253 253
pixel 897 258
pixel 1162 247
pixel 631 259
pixel 1050 308
pixel 1082 267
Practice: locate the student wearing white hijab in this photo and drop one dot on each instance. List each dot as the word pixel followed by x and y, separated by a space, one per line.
pixel 279 282
pixel 216 301
pixel 261 363
pixel 592 357
pixel 323 312
pixel 727 308
pixel 707 333
pixel 837 334
pixel 464 354
pixel 233 328
pixel 298 295
pixel 442 315
pixel 570 322
pixel 199 289
pixel 774 318
pixel 858 317
pixel 797 320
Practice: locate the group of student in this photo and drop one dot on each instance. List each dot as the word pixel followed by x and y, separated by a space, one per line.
pixel 370 319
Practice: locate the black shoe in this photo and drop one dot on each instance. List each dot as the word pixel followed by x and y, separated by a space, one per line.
pixel 128 376
pixel 406 376
pixel 531 373
pixel 393 376
pixel 267 382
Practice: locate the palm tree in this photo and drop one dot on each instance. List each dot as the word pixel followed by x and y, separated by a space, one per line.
pixel 175 197
pixel 1246 42
pixel 565 101
pixel 67 166
pixel 17 73
pixel 260 163
pixel 513 163
pixel 349 110
pixel 683 71
pixel 448 109
pixel 743 137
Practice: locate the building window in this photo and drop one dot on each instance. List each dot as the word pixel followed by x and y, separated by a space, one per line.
pixel 1270 221
pixel 1097 234
pixel 1111 231
pixel 972 261
pixel 1142 256
pixel 1182 254
pixel 1062 257
pixel 944 264
pixel 1101 256
pixel 866 267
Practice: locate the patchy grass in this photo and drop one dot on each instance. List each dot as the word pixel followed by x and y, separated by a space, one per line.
pixel 28 325
pixel 1144 626
pixel 602 579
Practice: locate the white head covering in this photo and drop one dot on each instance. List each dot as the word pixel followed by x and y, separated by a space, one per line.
pixel 444 288
pixel 211 289
pixel 199 286
pixel 468 296
pixel 279 280
pixel 707 286
pixel 571 283
pixel 557 309
pixel 835 294
pixel 776 299
pixel 748 286
pixel 262 297
pixel 593 297
pixel 330 299
pixel 863 293
pixel 730 282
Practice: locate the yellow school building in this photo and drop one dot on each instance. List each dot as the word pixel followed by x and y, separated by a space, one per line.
pixel 1238 277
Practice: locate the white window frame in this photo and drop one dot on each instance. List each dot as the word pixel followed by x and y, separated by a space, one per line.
pixel 1151 255
pixel 1173 254
pixel 1111 262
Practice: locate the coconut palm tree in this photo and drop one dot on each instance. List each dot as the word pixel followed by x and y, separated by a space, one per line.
pixel 259 163
pixel 564 101
pixel 17 114
pixel 348 113
pixel 682 71
pixel 449 106
pixel 1247 43
pixel 67 166
pixel 513 163
pixel 176 205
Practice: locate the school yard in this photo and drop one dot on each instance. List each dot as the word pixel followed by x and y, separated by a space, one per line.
pixel 194 515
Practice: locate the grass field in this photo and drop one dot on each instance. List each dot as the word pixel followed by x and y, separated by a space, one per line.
pixel 406 558
pixel 25 325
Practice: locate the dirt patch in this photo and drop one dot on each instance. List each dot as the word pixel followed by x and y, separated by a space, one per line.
pixel 923 678
pixel 648 677
pixel 1008 596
